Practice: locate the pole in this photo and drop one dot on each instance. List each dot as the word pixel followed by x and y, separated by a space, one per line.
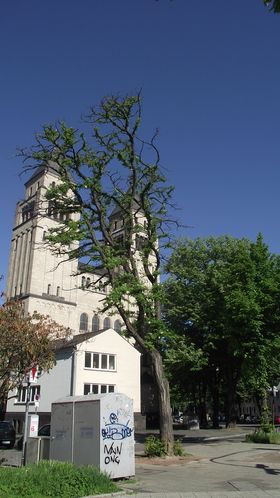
pixel 23 456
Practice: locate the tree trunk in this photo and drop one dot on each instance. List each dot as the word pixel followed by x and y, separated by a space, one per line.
pixel 202 404
pixel 230 411
pixel 165 414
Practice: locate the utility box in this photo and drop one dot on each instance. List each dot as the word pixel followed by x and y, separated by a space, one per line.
pixel 37 448
pixel 95 430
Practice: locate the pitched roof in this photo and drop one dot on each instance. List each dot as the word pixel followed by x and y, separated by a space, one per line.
pixel 50 166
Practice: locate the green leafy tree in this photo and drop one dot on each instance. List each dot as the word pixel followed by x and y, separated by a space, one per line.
pixel 222 297
pixel 273 4
pixel 110 175
pixel 26 341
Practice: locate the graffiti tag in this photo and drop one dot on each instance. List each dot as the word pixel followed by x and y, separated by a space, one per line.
pixel 112 453
pixel 114 430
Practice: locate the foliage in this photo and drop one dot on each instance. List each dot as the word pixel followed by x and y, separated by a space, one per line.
pixel 273 4
pixel 116 196
pixel 26 341
pixel 154 447
pixel 178 448
pixel 54 479
pixel 264 436
pixel 222 299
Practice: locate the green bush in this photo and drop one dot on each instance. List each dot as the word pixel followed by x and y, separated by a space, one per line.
pixel 154 447
pixel 53 479
pixel 178 448
pixel 265 436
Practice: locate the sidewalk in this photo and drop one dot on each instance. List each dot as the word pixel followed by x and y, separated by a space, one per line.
pixel 222 468
pixel 233 494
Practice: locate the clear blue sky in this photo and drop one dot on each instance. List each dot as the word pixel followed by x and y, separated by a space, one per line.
pixel 210 77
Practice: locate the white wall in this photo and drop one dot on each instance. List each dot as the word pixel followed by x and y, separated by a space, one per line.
pixel 126 378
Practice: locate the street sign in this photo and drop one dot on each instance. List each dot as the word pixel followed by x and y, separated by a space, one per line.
pixel 37 400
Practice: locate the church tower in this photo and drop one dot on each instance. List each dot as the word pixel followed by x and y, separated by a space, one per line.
pixel 43 281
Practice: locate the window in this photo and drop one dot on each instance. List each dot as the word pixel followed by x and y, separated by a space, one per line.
pixel 88 282
pixel 28 211
pixel 98 388
pixel 58 291
pixel 87 360
pixel 95 323
pixel 100 361
pixel 83 282
pixel 107 323
pixel 117 326
pixel 49 289
pixel 104 362
pixel 84 322
pixel 22 394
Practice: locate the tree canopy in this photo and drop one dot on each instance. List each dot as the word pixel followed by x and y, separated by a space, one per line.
pixel 273 4
pixel 222 299
pixel 116 197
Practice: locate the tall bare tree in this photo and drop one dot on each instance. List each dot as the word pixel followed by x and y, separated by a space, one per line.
pixel 112 187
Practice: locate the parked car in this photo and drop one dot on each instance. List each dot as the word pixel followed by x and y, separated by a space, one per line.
pixel 7 434
pixel 178 419
pixel 45 430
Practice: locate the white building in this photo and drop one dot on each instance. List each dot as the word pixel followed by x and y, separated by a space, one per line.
pixel 92 362
pixel 51 285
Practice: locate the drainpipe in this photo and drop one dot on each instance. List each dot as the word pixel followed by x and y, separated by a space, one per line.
pixel 73 371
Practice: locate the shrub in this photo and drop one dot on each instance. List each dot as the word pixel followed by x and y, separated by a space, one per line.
pixel 154 447
pixel 178 448
pixel 53 479
pixel 264 436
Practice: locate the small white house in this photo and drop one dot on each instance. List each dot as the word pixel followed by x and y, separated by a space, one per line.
pixel 89 363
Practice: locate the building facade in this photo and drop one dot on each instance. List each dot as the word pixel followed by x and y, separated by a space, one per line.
pixel 89 363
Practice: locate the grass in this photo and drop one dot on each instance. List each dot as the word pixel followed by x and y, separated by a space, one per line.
pixel 264 436
pixel 53 479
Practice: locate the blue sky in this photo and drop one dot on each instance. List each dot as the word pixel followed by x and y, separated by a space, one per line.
pixel 210 78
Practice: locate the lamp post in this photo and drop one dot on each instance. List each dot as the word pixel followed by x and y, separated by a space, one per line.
pixel 28 392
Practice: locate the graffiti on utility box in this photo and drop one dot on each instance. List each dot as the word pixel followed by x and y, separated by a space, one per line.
pixel 114 430
pixel 112 453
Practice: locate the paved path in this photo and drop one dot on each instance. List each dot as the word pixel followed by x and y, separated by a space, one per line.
pixel 225 469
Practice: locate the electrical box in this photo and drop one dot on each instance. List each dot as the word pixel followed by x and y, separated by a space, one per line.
pixel 95 430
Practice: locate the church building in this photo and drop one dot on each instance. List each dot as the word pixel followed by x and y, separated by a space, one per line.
pixel 52 285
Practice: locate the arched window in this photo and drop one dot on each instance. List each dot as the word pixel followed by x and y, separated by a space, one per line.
pixel 83 282
pixel 95 323
pixel 106 323
pixel 84 322
pixel 117 326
